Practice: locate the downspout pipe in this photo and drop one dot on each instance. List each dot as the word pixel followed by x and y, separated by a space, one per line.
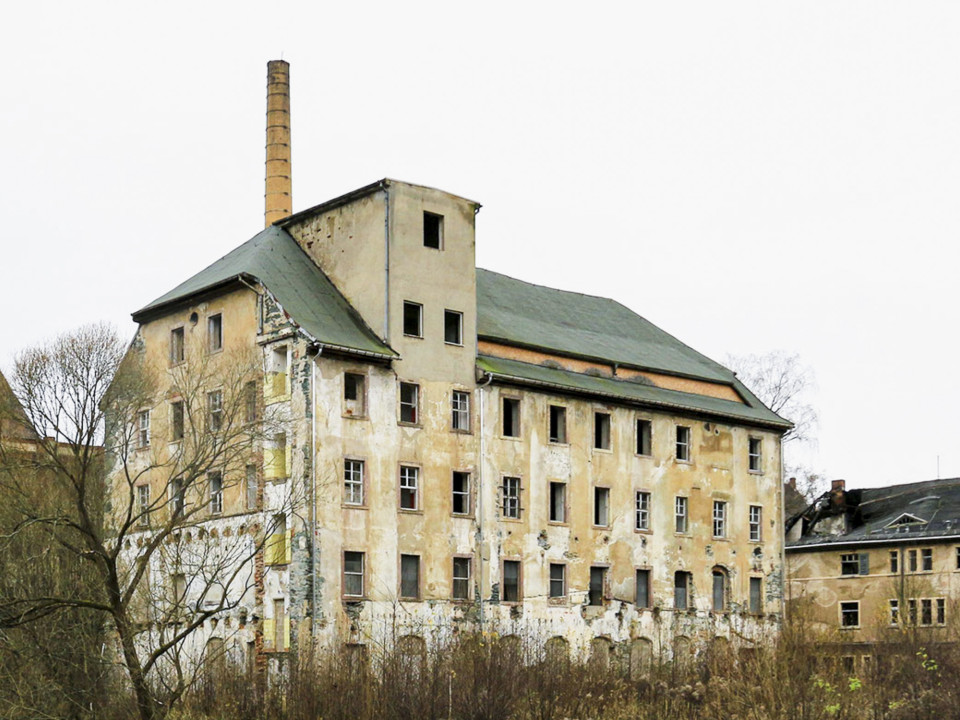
pixel 480 389
pixel 386 261
pixel 314 531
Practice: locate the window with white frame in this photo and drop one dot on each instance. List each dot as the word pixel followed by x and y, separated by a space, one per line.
pixel 894 611
pixel 253 485
pixel 510 492
pixel 756 523
pixel 215 410
pixel 177 496
pixel 558 502
pixel 353 570
pixel 461 410
pixel 642 509
pixel 143 428
pixel 850 614
pixel 353 482
pixel 412 319
pixel 461 578
pixel 683 443
pixel 409 403
pixel 409 487
pixel 461 493
pixel 719 519
pixel 601 506
pixel 215 333
pixel 680 514
pixel 176 420
pixel 215 483
pixel 755 454
pixel 926 559
pixel 143 504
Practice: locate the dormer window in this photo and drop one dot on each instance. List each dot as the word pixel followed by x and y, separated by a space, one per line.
pixel 905 520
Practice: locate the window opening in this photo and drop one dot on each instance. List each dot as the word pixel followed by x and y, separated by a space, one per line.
pixel 558 502
pixel 461 493
pixel 215 333
pixel 597 577
pixel 409 403
pixel 601 431
pixel 683 443
pixel 511 497
pixel 643 588
pixel 601 507
pixel 412 319
pixel 558 424
pixel 453 327
pixel 511 581
pixel 642 510
pixel 461 578
pixel 756 454
pixel 680 514
pixel 409 493
pixel 432 230
pixel 353 482
pixel 644 437
pixel 511 417
pixel 410 577
pixel 353 573
pixel 461 411
pixel 558 580
pixel 756 523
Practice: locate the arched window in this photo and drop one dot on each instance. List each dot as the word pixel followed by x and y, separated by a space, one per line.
pixel 557 650
pixel 721 586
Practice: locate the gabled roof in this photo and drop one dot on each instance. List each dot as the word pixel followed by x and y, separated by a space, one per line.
pixel 13 419
pixel 873 514
pixel 274 258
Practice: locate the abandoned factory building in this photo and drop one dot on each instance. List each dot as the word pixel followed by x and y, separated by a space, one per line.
pixel 868 564
pixel 455 449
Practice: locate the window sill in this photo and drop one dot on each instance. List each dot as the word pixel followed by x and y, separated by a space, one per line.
pixel 558 601
pixel 351 416
pixel 515 438
pixel 462 516
pixel 410 511
pixel 215 352
pixel 458 431
pixel 353 599
pixel 354 506
pixel 404 423
pixel 413 337
pixel 510 519
pixel 600 527
pixel 643 531
pixel 755 472
pixel 558 523
pixel 644 456
pixel 680 461
pixel 453 344
pixel 606 451
pixel 557 443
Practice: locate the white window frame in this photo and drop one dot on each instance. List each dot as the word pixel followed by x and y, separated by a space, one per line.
pixel 415 405
pixel 143 504
pixel 510 491
pixel 684 441
pixel 681 514
pixel 143 429
pixel 410 482
pixel 755 454
pixel 460 406
pixel 755 523
pixel 562 580
pixel 853 606
pixel 419 307
pixel 215 486
pixel 464 494
pixel 215 410
pixel 215 333
pixel 719 519
pixel 353 482
pixel 463 579
pixel 642 510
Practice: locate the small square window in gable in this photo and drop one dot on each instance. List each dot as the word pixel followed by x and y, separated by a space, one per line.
pixel 433 231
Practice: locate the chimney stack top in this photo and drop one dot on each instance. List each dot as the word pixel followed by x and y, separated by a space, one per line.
pixel 278 198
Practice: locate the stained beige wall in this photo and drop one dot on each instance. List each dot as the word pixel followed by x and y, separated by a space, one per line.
pixel 817 587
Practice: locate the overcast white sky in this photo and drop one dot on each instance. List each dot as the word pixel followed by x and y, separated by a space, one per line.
pixel 749 176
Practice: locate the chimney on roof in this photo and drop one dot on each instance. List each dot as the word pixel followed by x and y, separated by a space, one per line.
pixel 278 198
pixel 838 494
pixel 840 485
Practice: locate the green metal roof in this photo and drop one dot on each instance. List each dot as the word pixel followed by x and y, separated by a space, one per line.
pixel 643 393
pixel 520 313
pixel 274 258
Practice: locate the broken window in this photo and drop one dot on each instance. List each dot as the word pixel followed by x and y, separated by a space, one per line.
pixel 558 424
pixel 558 502
pixel 855 564
pixel 176 420
pixel 177 495
pixel 461 493
pixel 409 403
pixel 680 514
pixel 597 577
pixel 143 428
pixel 755 454
pixel 644 437
pixel 276 382
pixel 432 230
pixel 683 443
pixel 941 611
pixel 926 559
pixel 461 410
pixel 511 417
pixel 720 584
pixel 894 611
pixel 894 561
pixel 353 563
pixel 926 611
pixel 412 319
pixel 215 333
pixel 850 614
pixel 511 581
pixel 601 430
pixel 756 595
pixel 215 410
pixel 143 505
pixel 719 519
pixel 252 484
pixel 215 484
pixel 642 520
pixel 354 395
pixel 681 590
pixel 176 346
pixel 643 588
pixel 353 482
pixel 511 497
pixel 756 523
pixel 410 577
pixel 461 578
pixel 453 327
pixel 409 487
pixel 558 580
pixel 601 506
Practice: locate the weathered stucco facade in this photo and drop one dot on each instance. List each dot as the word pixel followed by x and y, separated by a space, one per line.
pixel 454 450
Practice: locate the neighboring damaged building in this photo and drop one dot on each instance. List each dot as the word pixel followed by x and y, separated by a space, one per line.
pixel 465 450
pixel 863 564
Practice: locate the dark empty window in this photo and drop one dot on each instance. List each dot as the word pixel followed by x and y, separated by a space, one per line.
pixel 601 431
pixel 215 333
pixel 597 576
pixel 926 559
pixel 511 581
pixel 855 564
pixel 643 588
pixel 452 327
pixel 461 578
pixel 432 230
pixel 601 506
pixel 681 590
pixel 410 577
pixel 895 561
pixel 176 346
pixel 412 319
pixel 850 614
pixel 558 502
pixel 511 417
pixel 756 454
pixel 461 493
pixel 644 437
pixel 353 394
pixel 558 424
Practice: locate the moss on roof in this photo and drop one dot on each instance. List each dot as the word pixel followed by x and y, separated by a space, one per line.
pixel 274 258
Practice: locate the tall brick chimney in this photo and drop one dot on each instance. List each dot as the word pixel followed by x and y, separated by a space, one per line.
pixel 279 193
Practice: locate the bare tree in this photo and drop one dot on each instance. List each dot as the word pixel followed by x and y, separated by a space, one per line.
pixel 134 500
